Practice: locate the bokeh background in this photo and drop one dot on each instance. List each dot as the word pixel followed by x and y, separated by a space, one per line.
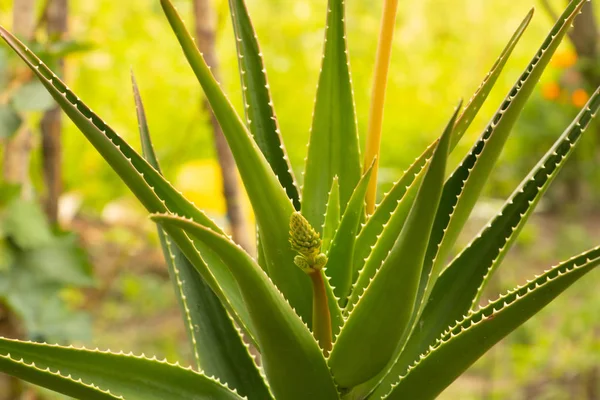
pixel 103 281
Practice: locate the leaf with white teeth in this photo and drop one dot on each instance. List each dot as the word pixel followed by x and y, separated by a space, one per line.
pixel 463 187
pixel 374 226
pixel 129 376
pixel 332 215
pixel 218 348
pixel 339 266
pixel 468 340
pixel 147 184
pixel 53 380
pixel 292 359
pixel 373 329
pixel 385 241
pixel 457 288
pixel 333 149
pixel 260 113
pixel 270 203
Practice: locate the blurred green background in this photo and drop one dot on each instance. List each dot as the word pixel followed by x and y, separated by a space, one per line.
pixel 442 51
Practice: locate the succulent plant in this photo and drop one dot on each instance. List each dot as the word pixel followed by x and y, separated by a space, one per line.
pixel 340 303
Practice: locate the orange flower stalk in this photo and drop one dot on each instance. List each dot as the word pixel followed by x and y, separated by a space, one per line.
pixel 382 63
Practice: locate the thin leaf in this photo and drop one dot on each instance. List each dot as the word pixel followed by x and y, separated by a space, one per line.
pixel 472 108
pixel 52 380
pixel 269 200
pixel 385 242
pixel 332 215
pixel 153 191
pixel 464 186
pixel 339 265
pixel 129 376
pixel 260 113
pixel 291 357
pixel 10 121
pixel 333 149
pixel 468 340
pixel 457 288
pixel 217 346
pixel 374 226
pixel 383 312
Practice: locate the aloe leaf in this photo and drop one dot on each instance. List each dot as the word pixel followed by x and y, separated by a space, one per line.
pixel 339 264
pixel 470 338
pixel 147 184
pixel 269 200
pixel 132 377
pixel 333 149
pixel 374 226
pixel 218 348
pixel 332 215
pixel 369 234
pixel 456 291
pixel 383 312
pixel 53 380
pixel 385 242
pixel 260 113
pixel 292 359
pixel 464 186
pixel 472 108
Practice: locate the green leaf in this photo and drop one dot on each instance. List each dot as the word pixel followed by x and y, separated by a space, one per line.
pixel 53 380
pixel 374 226
pixel 383 312
pixel 292 359
pixel 71 370
pixel 60 261
pixel 456 290
pixel 332 215
pixel 26 224
pixel 385 241
pixel 153 191
pixel 10 121
pixel 472 108
pixel 368 236
pixel 339 265
pixel 333 149
pixel 260 112
pixel 269 200
pixel 469 339
pixel 217 346
pixel 32 96
pixel 464 186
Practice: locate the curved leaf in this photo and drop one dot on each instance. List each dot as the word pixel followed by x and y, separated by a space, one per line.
pixel 269 201
pixel 217 346
pixel 374 226
pixel 153 191
pixel 260 113
pixel 464 186
pixel 333 149
pixel 292 359
pixel 375 325
pixel 339 265
pixel 53 380
pixel 457 288
pixel 126 375
pixel 332 215
pixel 464 343
pixel 385 241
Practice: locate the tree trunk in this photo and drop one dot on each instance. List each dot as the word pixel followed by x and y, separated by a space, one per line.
pixel 56 26
pixel 18 149
pixel 17 154
pixel 584 37
pixel 205 38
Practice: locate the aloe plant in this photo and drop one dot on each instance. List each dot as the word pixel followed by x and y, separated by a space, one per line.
pixel 340 303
